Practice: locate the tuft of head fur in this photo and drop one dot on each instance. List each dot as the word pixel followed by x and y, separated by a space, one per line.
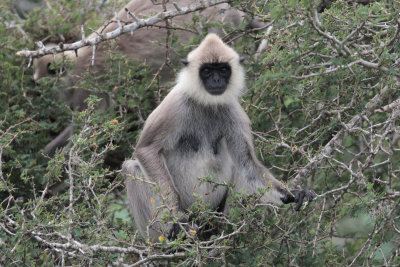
pixel 211 50
pixel 41 65
pixel 40 68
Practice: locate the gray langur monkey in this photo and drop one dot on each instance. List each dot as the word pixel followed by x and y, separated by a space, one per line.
pixel 199 130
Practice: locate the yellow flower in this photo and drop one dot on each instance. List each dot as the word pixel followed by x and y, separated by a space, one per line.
pixel 294 148
pixel 192 232
pixel 114 121
pixel 161 238
pixel 152 201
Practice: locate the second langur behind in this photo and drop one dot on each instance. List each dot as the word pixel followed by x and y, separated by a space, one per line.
pixel 199 130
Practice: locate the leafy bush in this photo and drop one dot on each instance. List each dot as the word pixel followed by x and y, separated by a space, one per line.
pixel 324 104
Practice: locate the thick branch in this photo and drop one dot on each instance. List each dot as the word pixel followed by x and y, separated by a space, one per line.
pixel 140 23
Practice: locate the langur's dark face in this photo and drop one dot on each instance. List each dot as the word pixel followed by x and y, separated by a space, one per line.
pixel 215 77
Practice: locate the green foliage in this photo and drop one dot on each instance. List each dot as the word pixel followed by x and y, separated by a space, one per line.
pixel 303 90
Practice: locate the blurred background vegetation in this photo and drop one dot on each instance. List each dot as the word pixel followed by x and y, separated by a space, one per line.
pixel 323 100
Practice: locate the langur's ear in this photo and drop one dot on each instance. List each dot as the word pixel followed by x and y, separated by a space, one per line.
pixel 184 62
pixel 242 59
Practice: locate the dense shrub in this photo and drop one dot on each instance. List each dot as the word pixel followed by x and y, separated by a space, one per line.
pixel 324 102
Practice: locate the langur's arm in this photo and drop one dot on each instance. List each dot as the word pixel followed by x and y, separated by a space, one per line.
pixel 149 153
pixel 153 165
pixel 60 141
pixel 253 175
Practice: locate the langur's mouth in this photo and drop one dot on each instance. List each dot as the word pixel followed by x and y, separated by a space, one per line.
pixel 216 90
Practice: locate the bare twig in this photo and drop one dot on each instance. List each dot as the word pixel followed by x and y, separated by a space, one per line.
pixel 120 30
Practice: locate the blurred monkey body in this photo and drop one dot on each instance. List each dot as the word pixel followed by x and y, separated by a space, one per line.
pixel 145 45
pixel 199 130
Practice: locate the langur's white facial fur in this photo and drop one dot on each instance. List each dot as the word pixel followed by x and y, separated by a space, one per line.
pixel 211 50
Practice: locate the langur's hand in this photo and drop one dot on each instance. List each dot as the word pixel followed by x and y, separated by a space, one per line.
pixel 175 228
pixel 297 196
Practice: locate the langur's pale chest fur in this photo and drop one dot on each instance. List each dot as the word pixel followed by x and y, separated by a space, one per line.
pixel 197 150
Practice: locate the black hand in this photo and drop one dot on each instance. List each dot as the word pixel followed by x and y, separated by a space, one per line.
pixel 298 196
pixel 175 229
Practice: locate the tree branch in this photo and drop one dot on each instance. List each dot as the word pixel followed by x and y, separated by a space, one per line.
pixel 337 139
pixel 140 23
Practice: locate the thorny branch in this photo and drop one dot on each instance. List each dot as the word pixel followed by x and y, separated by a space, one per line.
pixel 359 168
pixel 139 23
pixel 338 138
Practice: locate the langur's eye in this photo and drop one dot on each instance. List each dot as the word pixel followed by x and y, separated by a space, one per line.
pixel 206 71
pixel 224 70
